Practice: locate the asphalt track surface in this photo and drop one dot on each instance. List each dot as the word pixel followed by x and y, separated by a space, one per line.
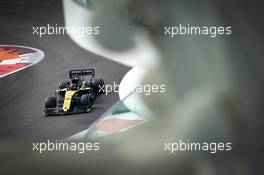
pixel 22 94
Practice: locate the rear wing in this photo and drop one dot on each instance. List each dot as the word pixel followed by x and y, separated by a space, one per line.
pixel 83 72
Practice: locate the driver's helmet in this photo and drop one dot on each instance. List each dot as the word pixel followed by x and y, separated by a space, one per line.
pixel 76 83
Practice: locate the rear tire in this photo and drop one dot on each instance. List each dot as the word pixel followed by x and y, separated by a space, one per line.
pixel 99 86
pixel 63 84
pixel 50 102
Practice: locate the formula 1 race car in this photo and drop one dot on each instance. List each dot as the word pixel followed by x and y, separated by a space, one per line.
pixel 74 96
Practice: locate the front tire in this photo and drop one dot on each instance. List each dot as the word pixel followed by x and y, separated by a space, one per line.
pixel 86 100
pixel 50 102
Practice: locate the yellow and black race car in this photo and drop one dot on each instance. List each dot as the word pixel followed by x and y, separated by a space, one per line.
pixel 74 96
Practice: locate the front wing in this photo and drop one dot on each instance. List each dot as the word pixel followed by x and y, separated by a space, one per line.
pixel 59 111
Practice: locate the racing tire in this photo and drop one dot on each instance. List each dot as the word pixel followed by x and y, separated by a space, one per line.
pixel 50 102
pixel 63 84
pixel 86 100
pixel 99 86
